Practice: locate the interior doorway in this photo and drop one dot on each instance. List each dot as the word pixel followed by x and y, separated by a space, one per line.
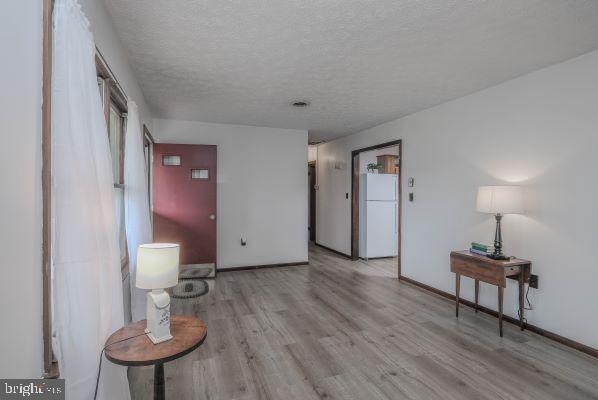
pixel 184 204
pixel 311 173
pixel 376 205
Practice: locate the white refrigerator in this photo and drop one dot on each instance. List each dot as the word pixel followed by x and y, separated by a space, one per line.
pixel 378 219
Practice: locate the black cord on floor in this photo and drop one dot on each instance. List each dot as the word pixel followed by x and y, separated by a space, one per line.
pixel 529 305
pixel 527 298
pixel 95 394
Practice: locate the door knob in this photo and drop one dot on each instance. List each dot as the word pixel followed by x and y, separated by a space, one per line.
pixel 212 217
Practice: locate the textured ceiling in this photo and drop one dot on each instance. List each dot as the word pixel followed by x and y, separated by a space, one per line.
pixel 359 62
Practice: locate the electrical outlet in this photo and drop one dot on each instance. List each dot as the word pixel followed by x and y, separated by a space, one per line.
pixel 533 281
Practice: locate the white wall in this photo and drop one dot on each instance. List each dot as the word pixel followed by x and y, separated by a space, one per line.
pixel 21 201
pixel 540 131
pixel 312 153
pixel 262 189
pixel 109 44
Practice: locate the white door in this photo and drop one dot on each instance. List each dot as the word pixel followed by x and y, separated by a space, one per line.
pixel 382 232
pixel 382 187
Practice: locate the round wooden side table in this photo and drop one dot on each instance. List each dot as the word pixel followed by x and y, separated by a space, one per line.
pixel 188 334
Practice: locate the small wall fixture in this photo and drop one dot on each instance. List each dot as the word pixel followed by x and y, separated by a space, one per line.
pixel 340 165
pixel 300 103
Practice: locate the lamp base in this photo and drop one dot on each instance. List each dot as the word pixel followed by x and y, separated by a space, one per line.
pixel 156 340
pixel 498 255
pixel 158 316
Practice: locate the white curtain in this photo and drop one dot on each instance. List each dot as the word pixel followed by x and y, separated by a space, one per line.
pixel 137 213
pixel 88 299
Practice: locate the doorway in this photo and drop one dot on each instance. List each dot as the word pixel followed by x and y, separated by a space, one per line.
pixel 377 166
pixel 311 172
pixel 184 204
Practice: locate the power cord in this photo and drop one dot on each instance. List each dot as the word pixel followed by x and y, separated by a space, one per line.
pixel 95 394
pixel 529 306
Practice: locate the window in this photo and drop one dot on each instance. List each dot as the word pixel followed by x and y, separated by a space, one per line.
pixel 148 143
pixel 115 111
pixel 200 174
pixel 171 160
pixel 116 135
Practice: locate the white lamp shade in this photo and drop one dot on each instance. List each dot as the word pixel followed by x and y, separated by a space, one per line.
pixel 500 199
pixel 157 265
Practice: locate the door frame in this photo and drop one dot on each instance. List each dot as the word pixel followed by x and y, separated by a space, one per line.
pixel 355 198
pixel 213 174
pixel 312 205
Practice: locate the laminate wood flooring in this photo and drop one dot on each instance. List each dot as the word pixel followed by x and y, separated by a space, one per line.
pixel 387 266
pixel 341 329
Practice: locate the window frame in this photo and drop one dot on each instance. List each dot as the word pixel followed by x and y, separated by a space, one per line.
pixel 148 141
pixel 111 91
pixel 50 364
pixel 114 97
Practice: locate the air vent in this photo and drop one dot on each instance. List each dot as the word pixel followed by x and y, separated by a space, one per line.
pixel 300 103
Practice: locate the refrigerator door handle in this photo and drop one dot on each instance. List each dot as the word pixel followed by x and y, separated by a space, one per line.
pixel 396 222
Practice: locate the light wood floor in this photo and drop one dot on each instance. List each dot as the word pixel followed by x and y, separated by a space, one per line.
pixel 388 267
pixel 338 329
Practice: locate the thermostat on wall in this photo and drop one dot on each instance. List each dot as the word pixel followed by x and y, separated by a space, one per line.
pixel 340 165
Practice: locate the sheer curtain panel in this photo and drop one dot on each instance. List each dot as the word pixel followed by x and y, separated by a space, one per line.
pixel 88 300
pixel 137 213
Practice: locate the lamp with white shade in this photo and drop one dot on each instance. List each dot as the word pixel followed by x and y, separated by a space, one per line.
pixel 157 269
pixel 499 200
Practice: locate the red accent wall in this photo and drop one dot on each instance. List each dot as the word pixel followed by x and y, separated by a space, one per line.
pixel 182 206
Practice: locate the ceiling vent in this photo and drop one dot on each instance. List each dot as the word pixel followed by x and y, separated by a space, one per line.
pixel 300 103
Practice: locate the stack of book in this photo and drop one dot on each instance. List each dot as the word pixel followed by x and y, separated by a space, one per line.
pixel 481 249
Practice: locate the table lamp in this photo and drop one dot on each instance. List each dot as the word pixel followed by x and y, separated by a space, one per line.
pixel 157 268
pixel 499 200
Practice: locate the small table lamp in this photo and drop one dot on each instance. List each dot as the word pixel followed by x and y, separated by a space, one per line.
pixel 499 200
pixel 157 268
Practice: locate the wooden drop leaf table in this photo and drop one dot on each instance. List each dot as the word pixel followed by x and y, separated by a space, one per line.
pixel 494 272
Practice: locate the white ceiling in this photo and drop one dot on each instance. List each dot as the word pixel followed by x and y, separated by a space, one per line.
pixel 359 62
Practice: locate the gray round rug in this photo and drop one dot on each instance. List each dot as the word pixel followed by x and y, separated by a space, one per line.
pixel 189 288
pixel 194 272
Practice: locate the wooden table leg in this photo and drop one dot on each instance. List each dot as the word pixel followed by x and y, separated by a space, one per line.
pixel 159 388
pixel 477 293
pixel 521 299
pixel 457 293
pixel 500 299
